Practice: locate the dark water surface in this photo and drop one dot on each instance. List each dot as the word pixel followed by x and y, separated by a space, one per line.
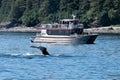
pixel 99 61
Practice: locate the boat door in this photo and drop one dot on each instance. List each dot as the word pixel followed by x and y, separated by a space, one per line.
pixel 44 32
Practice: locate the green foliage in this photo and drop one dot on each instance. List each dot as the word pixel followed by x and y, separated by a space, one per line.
pixel 31 12
pixel 30 18
pixel 104 19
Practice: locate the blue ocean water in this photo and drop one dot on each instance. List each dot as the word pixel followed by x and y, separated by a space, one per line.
pixel 99 61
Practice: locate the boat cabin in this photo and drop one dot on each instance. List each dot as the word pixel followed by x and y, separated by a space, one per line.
pixel 64 27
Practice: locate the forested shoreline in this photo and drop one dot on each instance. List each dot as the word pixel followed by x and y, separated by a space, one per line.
pixel 32 12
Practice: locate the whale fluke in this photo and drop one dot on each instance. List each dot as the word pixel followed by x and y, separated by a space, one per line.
pixel 43 49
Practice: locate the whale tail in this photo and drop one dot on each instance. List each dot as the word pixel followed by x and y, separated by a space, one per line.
pixel 43 49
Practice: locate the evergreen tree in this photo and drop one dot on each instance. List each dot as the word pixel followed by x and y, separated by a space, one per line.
pixel 31 12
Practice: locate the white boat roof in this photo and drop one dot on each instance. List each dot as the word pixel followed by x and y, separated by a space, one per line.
pixel 68 20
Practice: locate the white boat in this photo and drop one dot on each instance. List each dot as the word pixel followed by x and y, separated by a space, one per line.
pixel 67 31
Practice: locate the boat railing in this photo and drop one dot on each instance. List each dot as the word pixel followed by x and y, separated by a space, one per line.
pixel 56 25
pixel 64 26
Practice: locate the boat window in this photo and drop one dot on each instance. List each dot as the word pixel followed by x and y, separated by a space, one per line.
pixel 77 31
pixel 58 32
pixel 75 23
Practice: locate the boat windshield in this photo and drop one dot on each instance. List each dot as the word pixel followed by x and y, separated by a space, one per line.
pixel 70 23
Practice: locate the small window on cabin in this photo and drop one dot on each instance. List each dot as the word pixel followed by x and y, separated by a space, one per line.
pixel 75 23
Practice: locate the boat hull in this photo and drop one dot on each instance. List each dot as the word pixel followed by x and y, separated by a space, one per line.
pixel 92 38
pixel 55 39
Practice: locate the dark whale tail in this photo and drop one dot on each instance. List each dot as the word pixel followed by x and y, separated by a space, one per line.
pixel 43 49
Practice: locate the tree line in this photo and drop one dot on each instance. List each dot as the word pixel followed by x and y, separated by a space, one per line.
pixel 32 12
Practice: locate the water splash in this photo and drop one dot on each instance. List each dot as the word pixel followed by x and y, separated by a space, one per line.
pixel 26 55
pixel 31 56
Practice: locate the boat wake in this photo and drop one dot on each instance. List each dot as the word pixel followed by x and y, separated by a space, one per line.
pixel 26 55
pixel 31 56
